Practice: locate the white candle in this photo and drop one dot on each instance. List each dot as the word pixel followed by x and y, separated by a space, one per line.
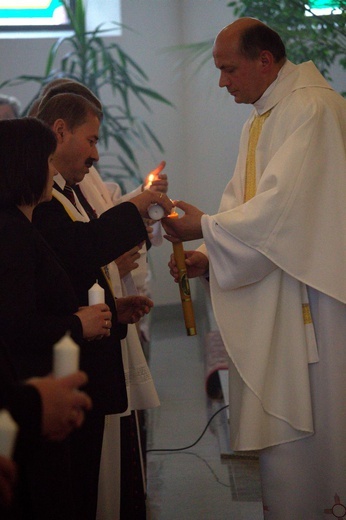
pixel 156 212
pixel 8 434
pixel 65 357
pixel 96 294
pixel 156 238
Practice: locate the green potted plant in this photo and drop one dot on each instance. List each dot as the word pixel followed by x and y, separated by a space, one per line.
pixel 103 66
pixel 307 35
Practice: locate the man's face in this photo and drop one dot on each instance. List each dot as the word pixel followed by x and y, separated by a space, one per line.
pixel 77 150
pixel 242 77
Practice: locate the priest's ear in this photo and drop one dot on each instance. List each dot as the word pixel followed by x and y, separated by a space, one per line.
pixel 266 60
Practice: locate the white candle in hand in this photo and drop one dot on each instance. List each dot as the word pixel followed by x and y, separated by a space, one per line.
pixel 96 294
pixel 8 434
pixel 156 212
pixel 65 357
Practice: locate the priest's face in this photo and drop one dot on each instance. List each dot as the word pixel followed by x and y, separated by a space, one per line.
pixel 243 77
pixel 77 149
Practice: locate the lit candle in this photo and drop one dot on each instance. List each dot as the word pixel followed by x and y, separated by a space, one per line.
pixel 65 357
pixel 184 285
pixel 8 433
pixel 151 178
pixel 96 294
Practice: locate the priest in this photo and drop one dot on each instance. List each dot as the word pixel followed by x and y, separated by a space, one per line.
pixel 275 256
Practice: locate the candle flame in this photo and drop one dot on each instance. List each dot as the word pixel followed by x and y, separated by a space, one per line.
pixel 173 214
pixel 151 177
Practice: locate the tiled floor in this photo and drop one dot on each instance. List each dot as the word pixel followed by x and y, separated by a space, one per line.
pixel 195 483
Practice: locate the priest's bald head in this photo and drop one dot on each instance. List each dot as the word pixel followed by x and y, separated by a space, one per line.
pixel 249 55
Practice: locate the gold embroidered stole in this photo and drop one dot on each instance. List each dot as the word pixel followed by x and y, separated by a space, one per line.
pixel 250 173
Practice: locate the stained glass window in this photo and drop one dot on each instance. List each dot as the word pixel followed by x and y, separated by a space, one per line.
pixel 324 7
pixel 33 14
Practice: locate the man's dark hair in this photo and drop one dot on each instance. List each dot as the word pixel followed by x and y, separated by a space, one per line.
pixel 72 87
pixel 25 146
pixel 258 38
pixel 72 108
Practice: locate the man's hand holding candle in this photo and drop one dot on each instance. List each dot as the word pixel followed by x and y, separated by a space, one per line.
pixel 147 198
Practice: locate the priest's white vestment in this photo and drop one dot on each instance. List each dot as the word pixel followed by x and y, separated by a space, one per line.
pixel 274 262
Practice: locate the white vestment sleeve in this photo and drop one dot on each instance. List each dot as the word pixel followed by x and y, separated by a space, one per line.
pixel 117 196
pixel 235 264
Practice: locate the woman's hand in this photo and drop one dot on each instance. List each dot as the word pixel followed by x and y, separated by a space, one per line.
pixel 63 405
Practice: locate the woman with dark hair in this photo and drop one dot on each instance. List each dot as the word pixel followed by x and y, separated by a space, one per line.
pixel 37 305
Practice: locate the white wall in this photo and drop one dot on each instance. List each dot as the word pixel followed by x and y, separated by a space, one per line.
pixel 200 134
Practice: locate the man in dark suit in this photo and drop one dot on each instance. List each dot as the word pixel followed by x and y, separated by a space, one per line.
pixel 85 245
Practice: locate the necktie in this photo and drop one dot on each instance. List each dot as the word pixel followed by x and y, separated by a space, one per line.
pixel 86 206
pixel 68 192
pixel 250 175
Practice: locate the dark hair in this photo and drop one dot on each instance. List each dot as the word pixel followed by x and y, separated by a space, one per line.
pixel 70 87
pixel 260 37
pixel 25 146
pixel 72 108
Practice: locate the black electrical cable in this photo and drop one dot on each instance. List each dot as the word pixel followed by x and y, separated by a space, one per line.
pixel 199 438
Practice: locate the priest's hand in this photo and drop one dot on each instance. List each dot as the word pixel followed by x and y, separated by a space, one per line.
pixel 197 264
pixel 131 309
pixel 187 227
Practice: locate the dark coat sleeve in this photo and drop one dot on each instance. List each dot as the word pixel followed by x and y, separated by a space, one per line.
pixel 90 244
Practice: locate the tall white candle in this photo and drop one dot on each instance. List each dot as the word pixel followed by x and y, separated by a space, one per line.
pixel 96 294
pixel 156 238
pixel 8 434
pixel 65 357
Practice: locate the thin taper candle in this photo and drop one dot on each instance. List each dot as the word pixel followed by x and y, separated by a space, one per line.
pixel 184 285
